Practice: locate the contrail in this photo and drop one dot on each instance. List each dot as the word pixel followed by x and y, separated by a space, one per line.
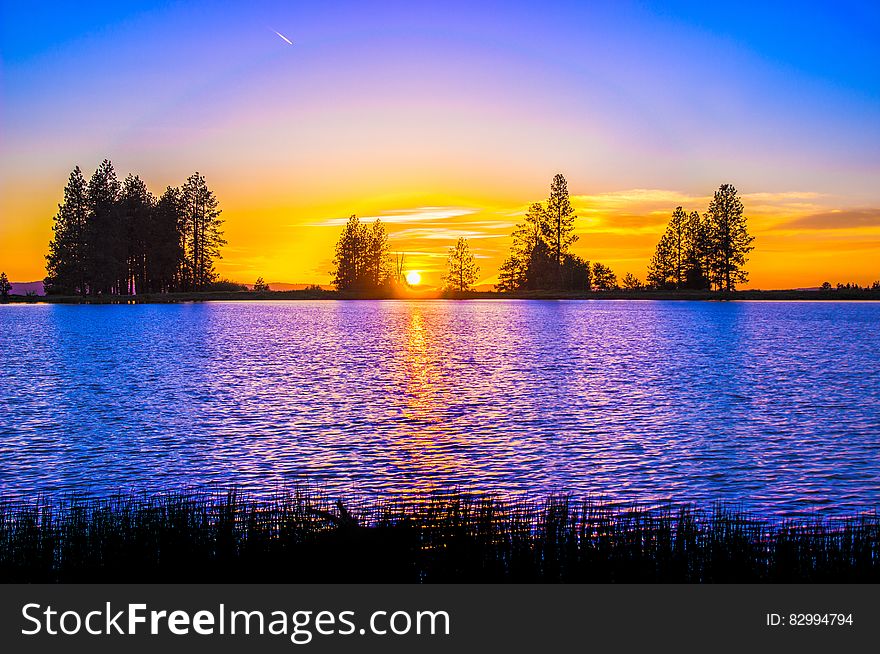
pixel 284 37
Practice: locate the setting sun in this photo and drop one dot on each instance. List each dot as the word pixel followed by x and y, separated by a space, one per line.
pixel 413 278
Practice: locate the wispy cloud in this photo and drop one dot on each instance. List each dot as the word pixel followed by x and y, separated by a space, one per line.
pixel 404 216
pixel 836 219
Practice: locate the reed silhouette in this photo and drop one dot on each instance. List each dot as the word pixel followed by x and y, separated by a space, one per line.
pixel 448 536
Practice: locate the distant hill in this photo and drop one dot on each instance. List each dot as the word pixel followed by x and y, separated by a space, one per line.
pixel 23 288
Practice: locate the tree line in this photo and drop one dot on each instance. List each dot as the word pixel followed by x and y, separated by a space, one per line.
pixel 704 251
pixel 697 251
pixel 117 238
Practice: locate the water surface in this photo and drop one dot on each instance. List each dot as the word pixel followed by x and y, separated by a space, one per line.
pixel 771 405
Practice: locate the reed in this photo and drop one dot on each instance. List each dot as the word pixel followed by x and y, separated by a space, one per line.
pixel 301 536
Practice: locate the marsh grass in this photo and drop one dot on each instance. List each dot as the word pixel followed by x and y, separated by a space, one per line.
pixel 301 536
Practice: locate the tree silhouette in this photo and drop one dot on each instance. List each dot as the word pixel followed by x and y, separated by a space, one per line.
pixel 106 250
pixel 557 225
pixel 260 286
pixel 376 268
pixel 5 287
pixel 66 260
pixel 539 257
pixel 703 251
pixel 729 239
pixel 461 269
pixel 631 283
pixel 136 212
pixel 679 259
pixel 202 235
pixel 165 246
pixel 519 269
pixel 661 269
pixel 361 261
pixel 604 278
pixel 112 238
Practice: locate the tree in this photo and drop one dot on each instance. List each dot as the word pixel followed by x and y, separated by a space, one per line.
pixel 576 273
pixel 376 256
pixel 165 243
pixel 661 269
pixel 105 246
pixel 118 239
pixel 697 253
pixel 677 253
pixel 604 278
pixel 519 269
pixel 631 283
pixel 539 258
pixel 348 261
pixel 558 225
pixel 729 238
pixel 260 286
pixel 202 234
pixel 461 269
pixel 136 212
pixel 5 287
pixel 65 262
pixel 826 286
pixel 361 261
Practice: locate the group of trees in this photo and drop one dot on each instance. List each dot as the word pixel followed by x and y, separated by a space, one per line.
pixel 851 286
pixel 705 251
pixel 118 238
pixel 540 256
pixel 696 252
pixel 361 262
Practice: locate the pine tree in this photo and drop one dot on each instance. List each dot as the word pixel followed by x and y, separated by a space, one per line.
pixel 65 262
pixel 729 238
pixel 376 269
pixel 5 287
pixel 519 269
pixel 661 269
pixel 461 269
pixel 349 252
pixel 260 286
pixel 203 236
pixel 558 225
pixel 165 243
pixel 631 283
pixel 105 247
pixel 697 252
pixel 136 212
pixel 604 278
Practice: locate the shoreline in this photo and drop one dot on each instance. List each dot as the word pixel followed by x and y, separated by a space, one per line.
pixel 867 295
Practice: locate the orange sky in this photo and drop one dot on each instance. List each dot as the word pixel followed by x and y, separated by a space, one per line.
pixel 802 238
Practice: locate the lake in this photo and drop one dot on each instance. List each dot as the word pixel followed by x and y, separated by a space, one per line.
pixel 772 406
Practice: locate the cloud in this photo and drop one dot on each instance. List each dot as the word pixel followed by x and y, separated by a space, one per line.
pixel 784 196
pixel 836 219
pixel 404 216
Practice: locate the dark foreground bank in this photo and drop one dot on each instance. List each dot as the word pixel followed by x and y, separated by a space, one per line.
pixel 448 537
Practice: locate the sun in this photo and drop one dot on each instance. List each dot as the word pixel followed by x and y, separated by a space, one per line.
pixel 413 278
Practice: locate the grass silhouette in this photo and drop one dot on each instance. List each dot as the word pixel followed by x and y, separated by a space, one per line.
pixel 300 536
